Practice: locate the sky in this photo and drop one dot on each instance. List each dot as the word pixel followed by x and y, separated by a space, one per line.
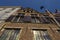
pixel 51 5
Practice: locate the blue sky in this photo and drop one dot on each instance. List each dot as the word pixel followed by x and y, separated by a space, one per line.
pixel 35 4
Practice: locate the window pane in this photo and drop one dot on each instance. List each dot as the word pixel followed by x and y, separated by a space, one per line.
pixel 37 35
pixel 15 19
pixel 33 20
pixel 58 31
pixel 34 15
pixel 27 19
pixel 58 19
pixel 47 20
pixel 37 20
pixel 45 35
pixel 10 34
pixel 10 18
pixel 42 20
pixel 41 35
pixel 21 14
pixel 21 19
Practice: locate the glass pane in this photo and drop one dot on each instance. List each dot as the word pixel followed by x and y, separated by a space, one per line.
pixel 9 34
pixel 27 19
pixel 21 14
pixel 34 15
pixel 58 31
pixel 16 18
pixel 37 20
pixel 58 19
pixel 41 35
pixel 37 35
pixel 46 20
pixel 42 20
pixel 33 20
pixel 21 19
pixel 45 35
pixel 10 18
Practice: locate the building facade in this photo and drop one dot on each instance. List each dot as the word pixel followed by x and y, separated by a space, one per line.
pixel 27 24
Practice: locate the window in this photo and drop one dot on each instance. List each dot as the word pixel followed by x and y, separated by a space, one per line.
pixel 58 19
pixel 10 34
pixel 42 20
pixel 21 19
pixel 35 20
pixel 10 18
pixel 21 14
pixel 27 19
pixel 41 34
pixel 15 19
pixel 58 31
pixel 34 15
pixel 46 19
pixel 18 18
